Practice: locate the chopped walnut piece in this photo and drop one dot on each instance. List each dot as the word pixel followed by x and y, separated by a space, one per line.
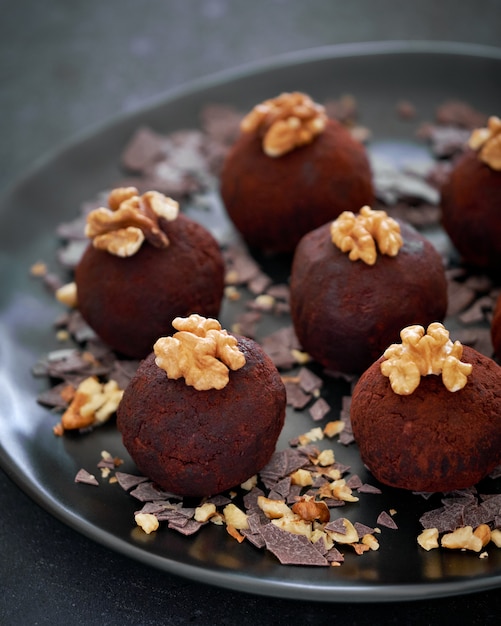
pixel 341 491
pixel 487 142
pixel 286 122
pixel 147 521
pixel 428 539
pixel 273 509
pixel 301 477
pixel 462 539
pixel 315 434
pixel 371 541
pixel 483 532
pixel 204 512
pixel 310 510
pixel 201 353
pixel 496 537
pixel 325 458
pixel 359 234
pixel 93 403
pixel 293 524
pixel 422 354
pixel 129 220
pixel 67 294
pixel 235 517
pixel 331 429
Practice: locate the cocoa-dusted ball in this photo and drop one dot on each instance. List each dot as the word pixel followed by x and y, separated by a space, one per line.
pixel 198 443
pixel 130 302
pixel 345 313
pixel 470 201
pixel 432 439
pixel 274 200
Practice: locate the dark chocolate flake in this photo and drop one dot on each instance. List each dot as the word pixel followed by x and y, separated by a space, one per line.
pixel 189 527
pixel 362 529
pixel 319 409
pixel 295 396
pixel 148 491
pixel 129 481
pixel 291 549
pixel 366 488
pixel 384 519
pixel 83 476
pixel 337 526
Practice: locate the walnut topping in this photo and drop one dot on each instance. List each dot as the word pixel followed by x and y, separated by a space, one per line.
pixel 487 142
pixel 129 220
pixel 286 122
pixel 422 354
pixel 93 403
pixel 201 353
pixel 359 234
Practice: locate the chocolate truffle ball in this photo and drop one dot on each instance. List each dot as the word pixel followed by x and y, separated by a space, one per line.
pixel 274 200
pixel 432 439
pixel 470 201
pixel 130 302
pixel 345 313
pixel 199 443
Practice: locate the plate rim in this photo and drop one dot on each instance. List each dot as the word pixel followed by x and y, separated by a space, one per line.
pixel 243 582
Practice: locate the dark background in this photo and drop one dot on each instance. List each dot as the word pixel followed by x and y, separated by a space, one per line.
pixel 67 66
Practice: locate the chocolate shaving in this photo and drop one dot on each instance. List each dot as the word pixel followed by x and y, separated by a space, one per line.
pixel 362 529
pixel 337 526
pixel 291 549
pixel 148 491
pixel 319 409
pixel 129 481
pixel 386 520
pixel 308 381
pixel 295 397
pixel 366 488
pixel 83 476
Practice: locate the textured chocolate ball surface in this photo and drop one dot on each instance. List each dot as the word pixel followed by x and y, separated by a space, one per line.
pixel 198 443
pixel 131 302
pixel 274 201
pixel 346 313
pixel 432 439
pixel 471 215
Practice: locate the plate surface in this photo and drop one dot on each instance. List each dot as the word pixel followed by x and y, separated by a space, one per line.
pixel 44 466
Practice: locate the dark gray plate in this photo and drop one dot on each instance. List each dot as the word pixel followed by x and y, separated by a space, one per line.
pixel 44 466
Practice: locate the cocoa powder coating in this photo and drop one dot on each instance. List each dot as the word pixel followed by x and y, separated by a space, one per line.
pixel 433 439
pixel 273 202
pixel 471 215
pixel 198 443
pixel 131 302
pixel 346 313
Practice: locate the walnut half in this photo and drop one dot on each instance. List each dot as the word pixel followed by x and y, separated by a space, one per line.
pixel 422 354
pixel 130 220
pixel 286 122
pixel 364 234
pixel 487 142
pixel 201 353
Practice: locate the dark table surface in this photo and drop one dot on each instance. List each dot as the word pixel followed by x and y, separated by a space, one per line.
pixel 68 66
